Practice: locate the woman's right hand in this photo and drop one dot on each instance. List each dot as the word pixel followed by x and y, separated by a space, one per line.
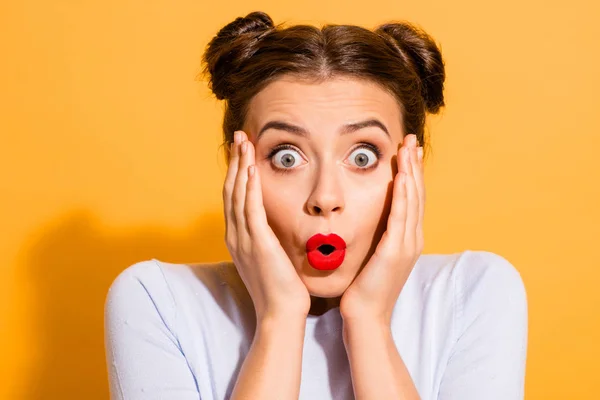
pixel 266 270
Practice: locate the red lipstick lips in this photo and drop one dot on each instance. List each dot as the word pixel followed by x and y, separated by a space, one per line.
pixel 325 252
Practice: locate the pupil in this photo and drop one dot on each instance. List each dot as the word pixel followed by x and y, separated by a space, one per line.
pixel 287 160
pixel 361 160
pixel 326 249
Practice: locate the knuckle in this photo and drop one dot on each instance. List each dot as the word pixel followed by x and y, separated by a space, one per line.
pixel 226 190
pixel 260 251
pixel 230 241
pixel 251 227
pixel 235 201
pixel 246 247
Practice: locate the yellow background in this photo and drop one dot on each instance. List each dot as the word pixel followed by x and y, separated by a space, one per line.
pixel 110 155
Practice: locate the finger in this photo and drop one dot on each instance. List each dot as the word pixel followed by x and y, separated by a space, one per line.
pixel 418 177
pixel 398 211
pixel 239 189
pixel 420 182
pixel 412 197
pixel 228 185
pixel 231 170
pixel 233 165
pixel 255 210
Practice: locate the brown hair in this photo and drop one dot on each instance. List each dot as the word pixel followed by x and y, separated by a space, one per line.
pixel 250 52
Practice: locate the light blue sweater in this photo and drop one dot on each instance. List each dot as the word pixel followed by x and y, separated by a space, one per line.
pixel 176 331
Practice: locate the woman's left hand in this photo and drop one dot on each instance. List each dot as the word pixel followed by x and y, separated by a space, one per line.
pixel 374 292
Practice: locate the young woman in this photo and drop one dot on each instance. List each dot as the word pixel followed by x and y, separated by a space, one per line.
pixel 328 295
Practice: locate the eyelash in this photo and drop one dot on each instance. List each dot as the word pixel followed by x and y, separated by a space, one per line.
pixel 374 148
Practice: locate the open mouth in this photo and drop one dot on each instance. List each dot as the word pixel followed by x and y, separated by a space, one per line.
pixel 325 252
pixel 326 249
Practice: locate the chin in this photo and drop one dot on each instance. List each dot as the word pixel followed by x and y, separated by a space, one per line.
pixel 326 293
pixel 325 284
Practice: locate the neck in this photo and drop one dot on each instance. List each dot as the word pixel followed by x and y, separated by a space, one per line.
pixel 320 305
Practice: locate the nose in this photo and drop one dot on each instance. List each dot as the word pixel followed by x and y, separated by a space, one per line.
pixel 327 196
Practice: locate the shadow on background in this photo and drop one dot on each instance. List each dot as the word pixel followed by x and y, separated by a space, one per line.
pixel 72 265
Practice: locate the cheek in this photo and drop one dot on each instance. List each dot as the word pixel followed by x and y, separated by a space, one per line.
pixel 374 202
pixel 280 202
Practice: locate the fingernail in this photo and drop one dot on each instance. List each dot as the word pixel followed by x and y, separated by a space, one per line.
pixel 237 137
pixel 251 170
pixel 244 147
pixel 420 153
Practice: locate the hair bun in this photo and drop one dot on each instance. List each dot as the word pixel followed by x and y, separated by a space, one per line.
pixel 234 44
pixel 420 51
pixel 255 22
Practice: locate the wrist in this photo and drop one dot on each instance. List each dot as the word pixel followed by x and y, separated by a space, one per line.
pixel 366 318
pixel 278 324
pixel 368 327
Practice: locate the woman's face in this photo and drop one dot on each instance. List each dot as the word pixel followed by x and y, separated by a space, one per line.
pixel 321 176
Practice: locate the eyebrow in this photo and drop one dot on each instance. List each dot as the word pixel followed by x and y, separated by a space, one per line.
pixel 346 129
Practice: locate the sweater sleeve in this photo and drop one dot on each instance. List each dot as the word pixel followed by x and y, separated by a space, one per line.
pixel 143 354
pixel 488 357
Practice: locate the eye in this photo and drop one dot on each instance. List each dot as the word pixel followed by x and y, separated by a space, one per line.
pixel 285 157
pixel 365 156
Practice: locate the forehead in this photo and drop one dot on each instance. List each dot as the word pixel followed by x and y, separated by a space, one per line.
pixel 325 104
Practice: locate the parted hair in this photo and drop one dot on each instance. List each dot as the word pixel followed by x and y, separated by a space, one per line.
pixel 250 52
